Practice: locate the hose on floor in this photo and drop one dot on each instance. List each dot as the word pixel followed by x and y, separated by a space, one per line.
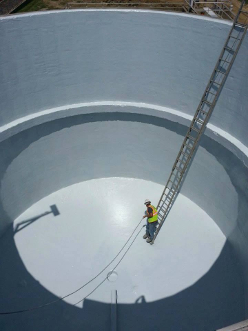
pixel 111 270
pixel 91 280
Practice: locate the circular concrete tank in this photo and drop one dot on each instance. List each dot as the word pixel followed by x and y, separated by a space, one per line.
pixel 94 107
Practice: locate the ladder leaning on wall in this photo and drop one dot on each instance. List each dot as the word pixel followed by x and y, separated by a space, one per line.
pixel 202 115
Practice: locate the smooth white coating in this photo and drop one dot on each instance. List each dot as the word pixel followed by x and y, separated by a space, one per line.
pixel 97 217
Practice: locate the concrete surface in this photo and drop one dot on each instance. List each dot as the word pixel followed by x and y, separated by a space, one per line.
pixel 140 77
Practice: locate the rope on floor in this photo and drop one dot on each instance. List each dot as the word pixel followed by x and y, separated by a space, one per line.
pixel 91 280
pixel 112 270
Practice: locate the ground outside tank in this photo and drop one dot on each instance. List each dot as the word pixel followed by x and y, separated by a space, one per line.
pixel 94 106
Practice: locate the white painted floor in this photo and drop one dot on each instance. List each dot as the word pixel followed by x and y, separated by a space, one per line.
pixel 96 219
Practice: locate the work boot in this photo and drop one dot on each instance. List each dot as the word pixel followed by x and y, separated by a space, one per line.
pixel 148 240
pixel 145 236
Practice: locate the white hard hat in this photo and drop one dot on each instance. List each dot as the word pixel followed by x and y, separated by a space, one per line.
pixel 147 201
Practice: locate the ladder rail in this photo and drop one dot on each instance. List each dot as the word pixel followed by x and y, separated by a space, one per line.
pixel 205 92
pixel 201 118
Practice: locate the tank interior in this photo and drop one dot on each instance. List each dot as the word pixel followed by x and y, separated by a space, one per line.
pixel 94 106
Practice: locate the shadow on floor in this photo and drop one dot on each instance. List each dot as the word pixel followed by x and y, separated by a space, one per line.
pixel 22 225
pixel 216 300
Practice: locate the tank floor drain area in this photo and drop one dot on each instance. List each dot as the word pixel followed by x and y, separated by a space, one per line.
pixel 112 276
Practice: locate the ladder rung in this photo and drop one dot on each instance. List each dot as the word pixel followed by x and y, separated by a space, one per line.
pixel 198 120
pixel 188 146
pixel 172 174
pixel 204 112
pixel 164 210
pixel 195 129
pixel 172 189
pixel 211 93
pixel 169 190
pixel 179 169
pixel 221 72
pixel 182 161
pixel 170 197
pixel 214 82
pixel 176 184
pixel 185 154
pixel 190 137
pixel 165 204
pixel 207 102
pixel 170 181
pixel 175 179
pixel 222 60
pixel 229 49
pixel 234 38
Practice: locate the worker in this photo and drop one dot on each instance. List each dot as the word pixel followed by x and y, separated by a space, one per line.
pixel 152 221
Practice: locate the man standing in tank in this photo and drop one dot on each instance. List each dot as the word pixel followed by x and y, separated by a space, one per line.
pixel 152 221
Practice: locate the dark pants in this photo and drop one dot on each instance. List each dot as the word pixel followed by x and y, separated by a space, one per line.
pixel 150 229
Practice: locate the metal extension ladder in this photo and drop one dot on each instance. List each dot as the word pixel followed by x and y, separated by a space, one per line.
pixel 202 115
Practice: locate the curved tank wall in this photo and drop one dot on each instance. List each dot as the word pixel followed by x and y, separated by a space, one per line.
pixel 75 82
pixel 164 59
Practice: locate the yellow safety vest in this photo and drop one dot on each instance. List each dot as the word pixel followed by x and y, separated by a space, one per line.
pixel 154 217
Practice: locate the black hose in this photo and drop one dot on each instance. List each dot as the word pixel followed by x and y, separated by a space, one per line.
pixel 60 299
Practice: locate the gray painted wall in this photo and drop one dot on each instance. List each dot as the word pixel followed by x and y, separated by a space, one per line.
pixel 56 59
